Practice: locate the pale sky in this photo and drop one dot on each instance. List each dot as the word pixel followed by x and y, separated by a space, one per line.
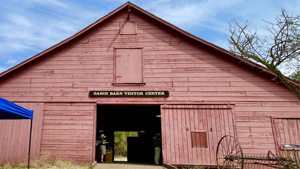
pixel 27 27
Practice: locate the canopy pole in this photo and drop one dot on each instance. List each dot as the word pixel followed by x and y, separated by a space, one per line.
pixel 29 144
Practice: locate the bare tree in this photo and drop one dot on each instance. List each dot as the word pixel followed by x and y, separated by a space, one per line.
pixel 277 51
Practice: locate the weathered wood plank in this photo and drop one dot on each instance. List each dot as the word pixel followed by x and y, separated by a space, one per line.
pixel 139 88
pixel 178 134
pixel 172 134
pixel 207 75
pixel 45 85
pixel 184 138
pixel 69 113
pixel 66 152
pixel 281 104
pixel 67 141
pixel 101 61
pixel 71 136
pixel 40 94
pixel 253 134
pixel 67 122
pixel 52 117
pixel 253 118
pixel 255 89
pixel 182 84
pixel 50 106
pixel 67 131
pixel 229 99
pixel 66 147
pixel 192 128
pixel 254 140
pixel 164 129
pixel 251 93
pixel 226 79
pixel 278 114
pixel 253 124
pixel 62 67
pixel 42 89
pixel 46 76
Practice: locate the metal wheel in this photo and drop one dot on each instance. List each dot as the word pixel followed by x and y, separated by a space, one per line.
pixel 229 153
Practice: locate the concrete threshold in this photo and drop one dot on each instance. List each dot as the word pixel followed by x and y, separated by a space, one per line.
pixel 126 166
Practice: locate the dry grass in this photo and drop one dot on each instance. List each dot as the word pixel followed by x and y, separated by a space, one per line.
pixel 44 163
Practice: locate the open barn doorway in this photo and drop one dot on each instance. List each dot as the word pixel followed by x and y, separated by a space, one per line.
pixel 119 123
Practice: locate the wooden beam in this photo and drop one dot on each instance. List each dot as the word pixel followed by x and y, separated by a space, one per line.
pixel 128 14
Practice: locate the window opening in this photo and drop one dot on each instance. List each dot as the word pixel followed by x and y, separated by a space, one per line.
pixel 199 139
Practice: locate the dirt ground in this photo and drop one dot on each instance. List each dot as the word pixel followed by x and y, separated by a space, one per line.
pixel 120 158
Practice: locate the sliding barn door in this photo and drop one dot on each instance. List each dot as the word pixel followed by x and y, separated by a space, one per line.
pixel 286 131
pixel 190 133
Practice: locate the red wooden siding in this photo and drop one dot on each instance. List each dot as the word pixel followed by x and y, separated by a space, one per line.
pixel 129 66
pixel 14 136
pixel 179 121
pixel 192 74
pixel 68 131
pixel 128 27
pixel 286 131
pixel 255 135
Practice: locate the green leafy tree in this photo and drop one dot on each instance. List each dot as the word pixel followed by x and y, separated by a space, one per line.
pixel 281 49
pixel 296 76
pixel 120 142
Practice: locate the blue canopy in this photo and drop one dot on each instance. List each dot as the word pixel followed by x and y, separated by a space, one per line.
pixel 10 110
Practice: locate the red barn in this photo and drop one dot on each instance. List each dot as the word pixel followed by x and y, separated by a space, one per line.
pixel 127 69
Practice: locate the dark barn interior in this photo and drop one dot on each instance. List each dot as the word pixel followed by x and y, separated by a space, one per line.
pixel 130 118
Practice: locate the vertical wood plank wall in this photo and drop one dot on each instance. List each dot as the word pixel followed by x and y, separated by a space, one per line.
pixel 179 121
pixel 14 136
pixel 286 131
pixel 68 131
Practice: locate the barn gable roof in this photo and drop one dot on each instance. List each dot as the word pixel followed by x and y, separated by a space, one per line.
pixel 182 32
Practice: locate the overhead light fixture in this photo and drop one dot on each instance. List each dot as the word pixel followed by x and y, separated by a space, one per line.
pixel 101 131
pixel 142 131
pixel 158 115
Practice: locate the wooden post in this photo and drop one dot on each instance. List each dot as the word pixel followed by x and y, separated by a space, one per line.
pixel 29 144
pixel 128 14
